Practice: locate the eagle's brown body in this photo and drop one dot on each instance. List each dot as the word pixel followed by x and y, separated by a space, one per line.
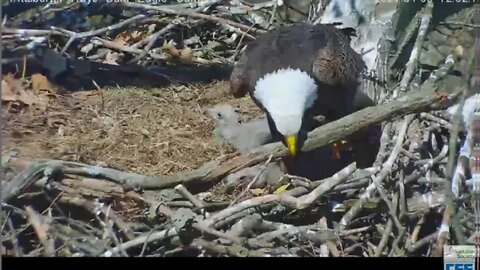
pixel 322 51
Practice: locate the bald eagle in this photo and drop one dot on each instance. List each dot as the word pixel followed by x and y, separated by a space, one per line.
pixel 294 73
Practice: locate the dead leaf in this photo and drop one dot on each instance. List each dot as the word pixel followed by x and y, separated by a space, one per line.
pixel 14 90
pixel 127 37
pixel 186 55
pixel 281 189
pixel 170 48
pixel 41 83
pixel 257 191
pixel 137 34
pixel 7 93
pixel 111 58
pixel 123 39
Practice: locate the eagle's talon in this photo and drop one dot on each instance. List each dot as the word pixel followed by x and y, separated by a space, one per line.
pixel 338 147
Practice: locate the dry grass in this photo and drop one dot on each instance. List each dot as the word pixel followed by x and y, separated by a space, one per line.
pixel 149 131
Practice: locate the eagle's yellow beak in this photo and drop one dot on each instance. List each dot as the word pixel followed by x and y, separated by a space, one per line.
pixel 292 144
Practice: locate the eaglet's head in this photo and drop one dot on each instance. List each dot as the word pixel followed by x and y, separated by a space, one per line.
pixel 286 94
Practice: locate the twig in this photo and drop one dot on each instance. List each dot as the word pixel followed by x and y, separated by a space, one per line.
pixel 74 36
pixel 296 203
pixel 190 14
pixel 152 41
pixel 295 192
pixel 245 225
pixel 119 223
pixel 32 32
pixel 392 210
pixel 402 41
pixel 254 180
pixel 414 56
pixel 387 166
pixel 274 11
pixel 395 243
pixel 437 119
pixel 189 196
pixel 216 233
pixel 236 251
pixel 107 224
pixel 115 46
pixel 422 242
pixel 326 186
pixel 355 231
pixel 156 236
pixel 449 212
pixel 331 246
pixel 416 230
pixel 461 24
pixel 41 228
pixel 384 142
pixel 459 175
pixel 402 199
pixel 14 239
pixel 384 241
pixel 427 166
pixel 288 230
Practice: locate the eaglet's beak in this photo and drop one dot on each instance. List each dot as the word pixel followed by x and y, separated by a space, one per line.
pixel 292 144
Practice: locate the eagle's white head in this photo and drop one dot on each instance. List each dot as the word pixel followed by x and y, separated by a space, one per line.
pixel 286 94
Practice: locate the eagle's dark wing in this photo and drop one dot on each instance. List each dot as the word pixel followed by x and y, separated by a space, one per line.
pixel 336 63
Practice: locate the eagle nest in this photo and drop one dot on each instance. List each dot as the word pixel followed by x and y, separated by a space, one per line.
pixel 186 170
pixel 174 140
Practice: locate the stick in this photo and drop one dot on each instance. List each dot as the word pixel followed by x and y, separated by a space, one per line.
pixel 422 242
pixel 189 196
pixel 216 233
pixel 41 228
pixel 416 230
pixel 384 241
pixel 387 166
pixel 254 180
pixel 234 250
pixel 190 14
pixel 32 32
pixel 152 41
pixel 417 49
pixel 156 236
pixel 295 192
pixel 74 36
pixel 437 119
pixel 296 203
pixel 449 216
pixel 384 142
pixel 427 166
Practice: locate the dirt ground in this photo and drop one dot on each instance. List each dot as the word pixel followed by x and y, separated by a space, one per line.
pixel 148 131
